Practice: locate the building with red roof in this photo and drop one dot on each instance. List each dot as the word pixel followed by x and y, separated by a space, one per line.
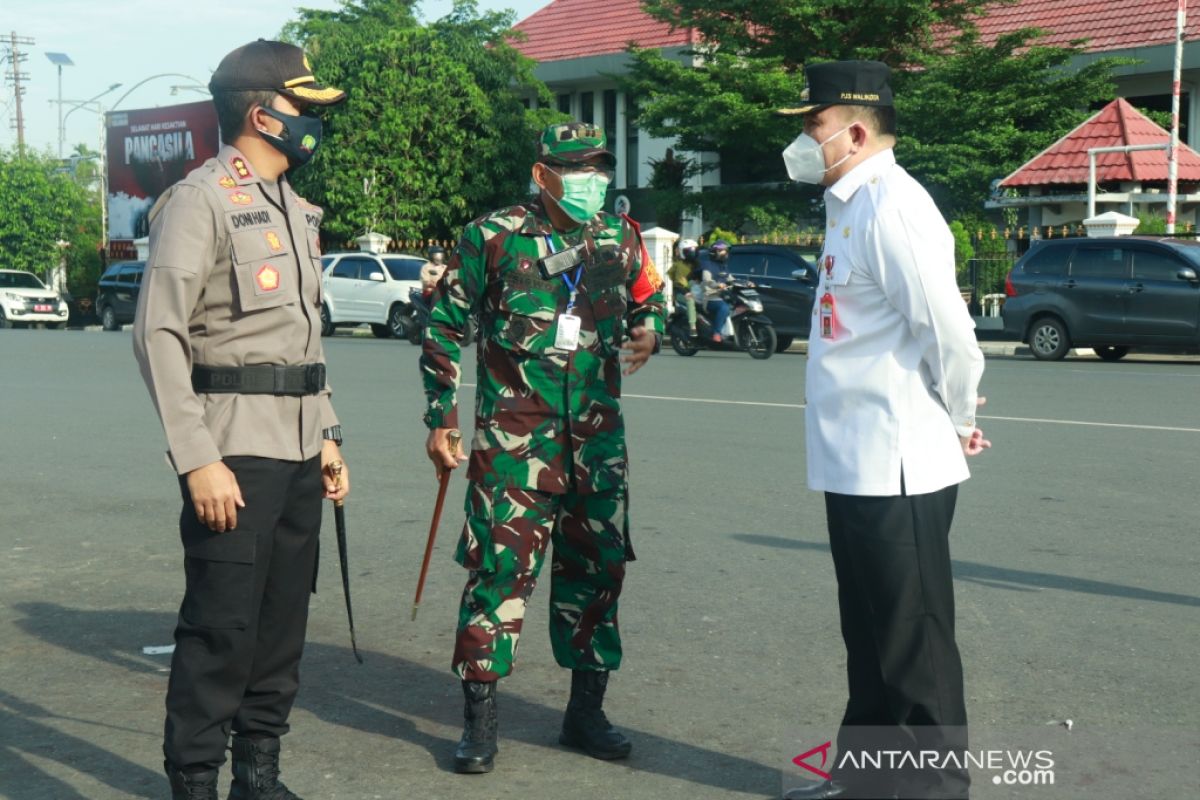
pixel 1053 185
pixel 580 44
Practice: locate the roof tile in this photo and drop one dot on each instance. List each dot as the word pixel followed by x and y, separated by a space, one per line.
pixel 1107 24
pixel 567 29
pixel 1115 125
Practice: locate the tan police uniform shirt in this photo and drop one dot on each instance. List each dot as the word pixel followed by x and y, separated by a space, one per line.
pixel 233 279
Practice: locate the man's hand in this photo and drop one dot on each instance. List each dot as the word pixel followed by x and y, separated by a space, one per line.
pixel 437 447
pixel 975 444
pixel 638 349
pixel 330 452
pixel 215 496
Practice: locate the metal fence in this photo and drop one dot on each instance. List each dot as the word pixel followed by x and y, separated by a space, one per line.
pixel 985 282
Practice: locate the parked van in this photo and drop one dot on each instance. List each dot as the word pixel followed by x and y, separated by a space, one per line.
pixel 1107 293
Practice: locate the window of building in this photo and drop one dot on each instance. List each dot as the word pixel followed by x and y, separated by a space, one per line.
pixel 631 142
pixel 587 107
pixel 610 118
pixel 564 103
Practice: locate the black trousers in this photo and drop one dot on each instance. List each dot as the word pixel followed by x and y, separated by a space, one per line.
pixel 241 626
pixel 896 596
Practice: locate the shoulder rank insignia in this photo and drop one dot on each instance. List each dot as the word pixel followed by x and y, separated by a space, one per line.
pixel 267 278
pixel 240 198
pixel 226 182
pixel 240 167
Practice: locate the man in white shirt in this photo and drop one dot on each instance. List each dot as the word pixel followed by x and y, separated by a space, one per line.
pixel 893 372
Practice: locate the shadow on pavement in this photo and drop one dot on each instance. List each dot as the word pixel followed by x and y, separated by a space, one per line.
pixel 1004 577
pixel 23 734
pixel 382 697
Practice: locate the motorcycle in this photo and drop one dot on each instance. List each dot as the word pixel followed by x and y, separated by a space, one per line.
pixel 752 329
pixel 416 319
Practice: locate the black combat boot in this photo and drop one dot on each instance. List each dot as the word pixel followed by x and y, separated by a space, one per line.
pixel 193 785
pixel 256 771
pixel 476 751
pixel 585 726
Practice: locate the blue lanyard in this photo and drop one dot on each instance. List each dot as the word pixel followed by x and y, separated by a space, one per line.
pixel 572 283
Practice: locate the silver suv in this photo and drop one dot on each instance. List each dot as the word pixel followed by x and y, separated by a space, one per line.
pixel 367 288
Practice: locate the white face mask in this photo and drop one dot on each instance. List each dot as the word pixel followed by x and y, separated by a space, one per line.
pixel 805 158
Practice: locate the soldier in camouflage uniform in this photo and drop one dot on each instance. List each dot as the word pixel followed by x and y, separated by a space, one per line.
pixel 548 460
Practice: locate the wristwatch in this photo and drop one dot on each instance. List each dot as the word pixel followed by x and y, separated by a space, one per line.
pixel 333 434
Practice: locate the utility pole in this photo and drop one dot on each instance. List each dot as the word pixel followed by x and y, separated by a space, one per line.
pixel 1173 154
pixel 15 56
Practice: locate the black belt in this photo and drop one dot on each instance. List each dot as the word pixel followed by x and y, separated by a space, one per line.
pixel 274 379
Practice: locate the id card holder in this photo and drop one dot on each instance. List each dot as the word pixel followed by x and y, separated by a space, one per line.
pixel 827 317
pixel 566 337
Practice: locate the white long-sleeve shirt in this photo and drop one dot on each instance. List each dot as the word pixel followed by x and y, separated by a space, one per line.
pixel 897 384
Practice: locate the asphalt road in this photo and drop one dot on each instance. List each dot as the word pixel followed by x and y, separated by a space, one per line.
pixel 1075 546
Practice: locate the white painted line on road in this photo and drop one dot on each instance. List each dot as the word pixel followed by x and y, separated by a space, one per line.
pixel 1094 424
pixel 801 406
pixel 714 401
pixel 699 400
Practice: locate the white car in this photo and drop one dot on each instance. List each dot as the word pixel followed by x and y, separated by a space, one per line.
pixel 364 287
pixel 25 299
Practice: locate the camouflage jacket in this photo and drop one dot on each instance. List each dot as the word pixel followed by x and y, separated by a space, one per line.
pixel 545 419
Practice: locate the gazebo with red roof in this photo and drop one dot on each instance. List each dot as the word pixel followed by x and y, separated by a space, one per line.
pixel 1055 181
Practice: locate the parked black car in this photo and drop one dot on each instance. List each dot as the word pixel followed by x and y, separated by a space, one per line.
pixel 1107 293
pixel 786 278
pixel 117 293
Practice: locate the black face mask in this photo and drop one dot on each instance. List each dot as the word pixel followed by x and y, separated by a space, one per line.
pixel 299 138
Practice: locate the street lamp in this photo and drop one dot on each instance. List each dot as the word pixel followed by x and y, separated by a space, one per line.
pixel 103 175
pixel 177 88
pixel 78 105
pixel 147 80
pixel 60 60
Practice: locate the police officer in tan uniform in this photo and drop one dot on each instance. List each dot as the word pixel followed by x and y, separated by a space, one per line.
pixel 227 337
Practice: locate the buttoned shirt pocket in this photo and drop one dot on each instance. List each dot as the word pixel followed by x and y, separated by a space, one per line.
pixel 526 315
pixel 608 310
pixel 836 269
pixel 264 274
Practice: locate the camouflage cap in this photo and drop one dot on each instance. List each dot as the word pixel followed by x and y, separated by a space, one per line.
pixel 573 142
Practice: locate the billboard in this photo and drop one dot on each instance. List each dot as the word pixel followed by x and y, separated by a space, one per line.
pixel 147 151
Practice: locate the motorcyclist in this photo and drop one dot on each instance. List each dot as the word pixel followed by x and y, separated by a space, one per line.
pixel 431 270
pixel 707 283
pixel 680 275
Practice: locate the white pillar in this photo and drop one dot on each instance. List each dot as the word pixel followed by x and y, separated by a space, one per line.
pixel 621 144
pixel 661 244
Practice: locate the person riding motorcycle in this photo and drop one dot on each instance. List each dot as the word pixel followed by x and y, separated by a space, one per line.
pixel 431 270
pixel 707 287
pixel 680 275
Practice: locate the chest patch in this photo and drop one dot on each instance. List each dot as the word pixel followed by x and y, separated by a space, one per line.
pixel 267 278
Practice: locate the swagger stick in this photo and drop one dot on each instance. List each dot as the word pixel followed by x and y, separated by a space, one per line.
pixel 443 481
pixel 339 517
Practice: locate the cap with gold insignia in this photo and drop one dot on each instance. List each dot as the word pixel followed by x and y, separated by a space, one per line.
pixel 572 143
pixel 843 83
pixel 274 67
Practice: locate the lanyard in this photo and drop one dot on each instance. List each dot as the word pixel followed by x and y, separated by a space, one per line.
pixel 572 283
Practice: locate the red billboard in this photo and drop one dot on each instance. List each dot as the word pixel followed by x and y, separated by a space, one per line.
pixel 148 150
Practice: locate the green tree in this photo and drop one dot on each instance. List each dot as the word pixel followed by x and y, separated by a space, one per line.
pixel 978 112
pixel 434 126
pixel 968 113
pixel 794 32
pixel 43 205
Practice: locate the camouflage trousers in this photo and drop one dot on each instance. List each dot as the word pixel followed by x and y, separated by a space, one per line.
pixel 504 543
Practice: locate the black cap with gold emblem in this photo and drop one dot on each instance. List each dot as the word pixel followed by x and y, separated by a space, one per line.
pixel 272 66
pixel 843 83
